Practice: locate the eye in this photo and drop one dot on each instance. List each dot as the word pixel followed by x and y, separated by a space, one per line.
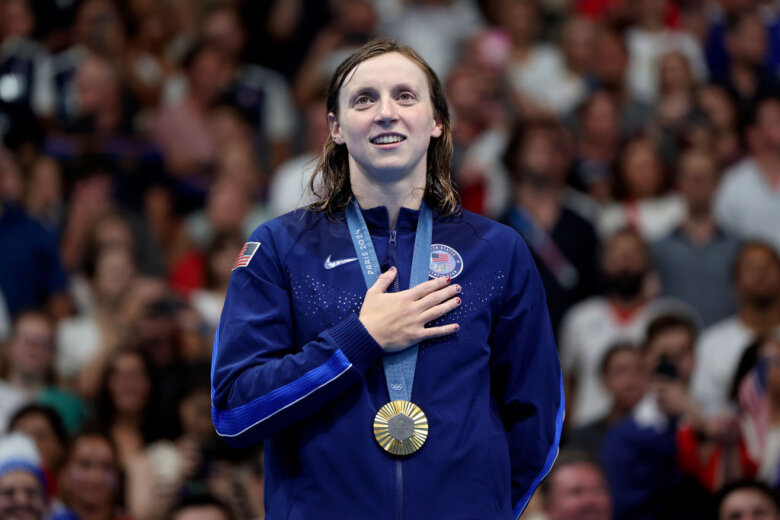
pixel 406 96
pixel 362 100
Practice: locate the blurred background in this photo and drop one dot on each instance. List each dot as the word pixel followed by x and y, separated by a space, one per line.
pixel 634 144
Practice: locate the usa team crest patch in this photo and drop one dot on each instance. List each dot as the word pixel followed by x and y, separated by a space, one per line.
pixel 445 261
pixel 246 254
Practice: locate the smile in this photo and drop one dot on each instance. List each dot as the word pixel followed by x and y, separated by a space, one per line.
pixel 388 139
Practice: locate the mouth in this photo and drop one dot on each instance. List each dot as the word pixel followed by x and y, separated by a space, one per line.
pixel 389 138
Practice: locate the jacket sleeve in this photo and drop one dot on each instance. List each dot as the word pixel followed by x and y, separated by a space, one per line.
pixel 526 378
pixel 261 381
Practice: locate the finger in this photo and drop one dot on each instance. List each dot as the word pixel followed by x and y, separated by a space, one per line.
pixel 437 297
pixel 384 281
pixel 440 310
pixel 438 332
pixel 425 288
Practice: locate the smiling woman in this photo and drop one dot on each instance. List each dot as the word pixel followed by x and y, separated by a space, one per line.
pixel 382 388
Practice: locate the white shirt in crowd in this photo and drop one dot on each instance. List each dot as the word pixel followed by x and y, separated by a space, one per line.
pixel 718 351
pixel 747 205
pixel 588 331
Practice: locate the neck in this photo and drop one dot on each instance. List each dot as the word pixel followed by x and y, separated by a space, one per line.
pixel 394 194
pixel 699 228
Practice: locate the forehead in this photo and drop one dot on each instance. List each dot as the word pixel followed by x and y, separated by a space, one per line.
pixel 384 71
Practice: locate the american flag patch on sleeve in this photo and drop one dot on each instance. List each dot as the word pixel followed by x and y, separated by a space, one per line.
pixel 246 254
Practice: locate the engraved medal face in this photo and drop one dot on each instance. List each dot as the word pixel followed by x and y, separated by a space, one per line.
pixel 400 427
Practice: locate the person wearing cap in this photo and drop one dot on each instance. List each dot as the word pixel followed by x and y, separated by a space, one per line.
pixel 23 494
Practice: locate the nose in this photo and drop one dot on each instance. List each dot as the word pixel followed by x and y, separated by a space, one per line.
pixel 386 110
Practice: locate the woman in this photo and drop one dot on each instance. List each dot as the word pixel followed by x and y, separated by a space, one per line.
pixel 90 481
pixel 466 424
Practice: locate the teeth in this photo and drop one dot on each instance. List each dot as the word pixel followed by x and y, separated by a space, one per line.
pixel 387 139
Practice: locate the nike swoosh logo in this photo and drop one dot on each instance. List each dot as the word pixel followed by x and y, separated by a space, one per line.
pixel 335 263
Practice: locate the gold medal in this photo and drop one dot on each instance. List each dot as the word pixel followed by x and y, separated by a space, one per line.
pixel 400 427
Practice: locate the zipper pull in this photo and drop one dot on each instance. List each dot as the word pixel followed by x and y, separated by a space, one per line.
pixel 392 236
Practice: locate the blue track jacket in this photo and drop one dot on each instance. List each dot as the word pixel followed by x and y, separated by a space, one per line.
pixel 294 367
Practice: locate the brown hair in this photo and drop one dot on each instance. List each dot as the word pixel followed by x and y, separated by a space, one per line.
pixel 334 192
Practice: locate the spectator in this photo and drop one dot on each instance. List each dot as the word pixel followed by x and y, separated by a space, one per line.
pixel 31 272
pixel 592 326
pixel 43 198
pixel 563 244
pixel 648 40
pixel 596 145
pixel 610 70
pixel 694 261
pixel 746 80
pixel 748 200
pixel 112 294
pixel 200 507
pixel 23 492
pixel 639 455
pixel 182 131
pixel 288 186
pixel 44 426
pixel 747 499
pixel 29 369
pixel 219 259
pixel 575 489
pixel 127 405
pixel 624 379
pixel 756 276
pixel 643 202
pixel 758 392
pixel 721 113
pixel 91 479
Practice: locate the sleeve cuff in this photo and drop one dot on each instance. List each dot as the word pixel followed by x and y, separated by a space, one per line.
pixel 357 344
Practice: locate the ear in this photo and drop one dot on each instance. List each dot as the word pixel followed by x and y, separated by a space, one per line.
pixel 438 127
pixel 335 129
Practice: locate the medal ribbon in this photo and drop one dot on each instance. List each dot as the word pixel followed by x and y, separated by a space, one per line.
pixel 399 367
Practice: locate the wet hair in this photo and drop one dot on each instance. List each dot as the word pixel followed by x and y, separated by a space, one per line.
pixel 334 192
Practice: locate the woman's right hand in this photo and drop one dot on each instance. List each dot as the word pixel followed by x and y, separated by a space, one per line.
pixel 396 320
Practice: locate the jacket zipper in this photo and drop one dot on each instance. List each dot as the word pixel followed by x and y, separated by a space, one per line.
pixel 392 245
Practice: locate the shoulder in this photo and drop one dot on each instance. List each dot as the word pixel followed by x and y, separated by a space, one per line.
pixel 589 310
pixel 500 240
pixel 284 232
pixel 739 175
pixel 722 334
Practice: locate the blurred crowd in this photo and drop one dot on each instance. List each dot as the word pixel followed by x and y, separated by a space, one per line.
pixel 634 144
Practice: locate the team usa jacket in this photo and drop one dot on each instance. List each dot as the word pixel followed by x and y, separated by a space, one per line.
pixel 294 367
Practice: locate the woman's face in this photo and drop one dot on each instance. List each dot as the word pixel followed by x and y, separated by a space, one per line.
pixel 91 472
pixel 129 384
pixel 38 427
pixel 642 173
pixel 386 119
pixel 676 73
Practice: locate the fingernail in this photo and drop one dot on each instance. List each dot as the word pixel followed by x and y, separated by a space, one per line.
pixel 392 268
pixel 457 300
pixel 457 327
pixel 449 279
pixel 458 288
